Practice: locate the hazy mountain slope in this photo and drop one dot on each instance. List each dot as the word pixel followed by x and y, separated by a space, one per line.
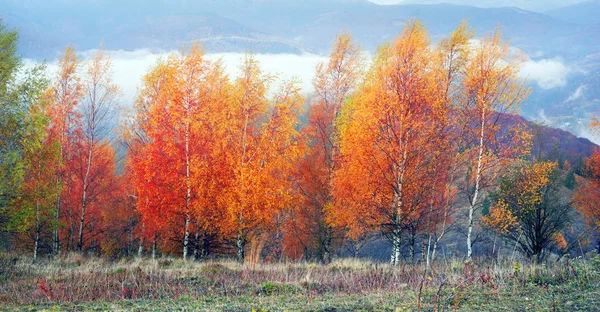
pixel 375 24
pixel 587 12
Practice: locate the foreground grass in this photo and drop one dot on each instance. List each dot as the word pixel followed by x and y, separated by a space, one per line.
pixel 528 299
pixel 145 285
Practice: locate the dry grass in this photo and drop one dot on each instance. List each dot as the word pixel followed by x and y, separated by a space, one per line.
pixel 447 285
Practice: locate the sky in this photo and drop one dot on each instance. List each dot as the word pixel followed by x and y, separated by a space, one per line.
pixel 386 1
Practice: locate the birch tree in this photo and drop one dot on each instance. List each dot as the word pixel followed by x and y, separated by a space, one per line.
pixel 66 93
pixel 386 173
pixel 491 91
pixel 96 155
pixel 333 83
pixel 451 56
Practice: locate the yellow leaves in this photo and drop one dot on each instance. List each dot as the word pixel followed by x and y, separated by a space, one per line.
pixel 491 82
pixel 560 241
pixel 519 196
pixel 251 88
pixel 336 78
pixel 500 218
pixel 454 50
pixel 534 179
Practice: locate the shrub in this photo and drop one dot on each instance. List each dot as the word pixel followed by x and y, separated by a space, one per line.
pixel 273 288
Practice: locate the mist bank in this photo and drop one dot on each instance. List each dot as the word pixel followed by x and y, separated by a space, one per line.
pixel 549 78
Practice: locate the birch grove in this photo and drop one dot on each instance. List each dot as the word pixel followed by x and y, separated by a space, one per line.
pixel 402 150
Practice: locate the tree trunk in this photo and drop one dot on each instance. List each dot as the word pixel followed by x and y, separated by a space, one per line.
pixel 447 208
pixel 412 251
pixel 81 225
pixel 154 249
pixel 473 202
pixel 56 245
pixel 395 259
pixel 327 245
pixel 428 256
pixel 140 252
pixel 397 206
pixel 37 234
pixel 205 246
pixel 188 195
pixel 241 243
pixel 35 245
pixel 434 250
pixel 196 244
pixel 84 195
pixel 423 248
pixel 186 237
pixel 141 246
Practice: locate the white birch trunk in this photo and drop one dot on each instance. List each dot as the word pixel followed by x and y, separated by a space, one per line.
pixel 240 247
pixel 395 258
pixel 476 191
pixel 37 232
pixel 188 195
pixel 154 248
pixel 84 194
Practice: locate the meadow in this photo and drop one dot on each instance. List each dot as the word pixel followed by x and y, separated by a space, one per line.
pixel 81 283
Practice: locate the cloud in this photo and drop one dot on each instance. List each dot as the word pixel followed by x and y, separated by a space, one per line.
pixel 547 73
pixel 578 94
pixel 130 66
pixel 285 66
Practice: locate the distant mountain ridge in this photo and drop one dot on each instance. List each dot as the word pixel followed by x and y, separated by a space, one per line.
pixel 274 26
pixel 530 5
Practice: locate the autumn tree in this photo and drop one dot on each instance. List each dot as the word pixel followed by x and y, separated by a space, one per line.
pixel 178 117
pixel 587 197
pixel 12 116
pixel 260 146
pixel 333 83
pixel 64 95
pixel 451 56
pixel 22 137
pixel 142 151
pixel 491 91
pixel 530 208
pixel 388 137
pixel 94 159
pixel 33 208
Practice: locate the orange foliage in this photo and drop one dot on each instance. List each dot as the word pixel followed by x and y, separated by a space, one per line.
pixel 260 147
pixel 587 198
pixel 390 144
pixel 214 157
pixel 308 233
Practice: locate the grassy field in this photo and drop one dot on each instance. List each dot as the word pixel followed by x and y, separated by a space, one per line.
pixel 78 283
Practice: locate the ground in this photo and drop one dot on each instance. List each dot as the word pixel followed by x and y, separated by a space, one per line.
pixel 79 283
